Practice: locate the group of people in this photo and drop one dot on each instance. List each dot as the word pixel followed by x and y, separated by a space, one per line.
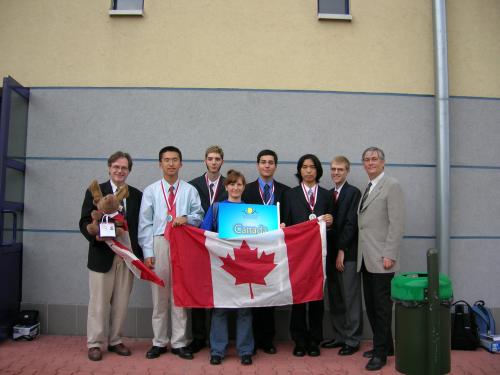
pixel 364 232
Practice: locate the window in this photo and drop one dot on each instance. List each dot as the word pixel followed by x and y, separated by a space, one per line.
pixel 334 10
pixel 127 8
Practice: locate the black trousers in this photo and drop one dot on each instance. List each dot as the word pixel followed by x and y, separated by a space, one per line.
pixel 263 325
pixel 306 323
pixel 378 302
pixel 199 324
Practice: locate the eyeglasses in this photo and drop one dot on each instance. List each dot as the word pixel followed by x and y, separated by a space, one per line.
pixel 367 160
pixel 118 168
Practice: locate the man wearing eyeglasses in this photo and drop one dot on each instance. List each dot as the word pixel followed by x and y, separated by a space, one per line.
pixel 110 281
pixel 381 214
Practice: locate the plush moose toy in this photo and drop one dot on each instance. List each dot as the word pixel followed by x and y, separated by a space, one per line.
pixel 107 205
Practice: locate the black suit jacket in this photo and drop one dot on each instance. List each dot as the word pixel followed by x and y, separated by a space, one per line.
pixel 251 194
pixel 201 185
pixel 344 233
pixel 101 256
pixel 296 208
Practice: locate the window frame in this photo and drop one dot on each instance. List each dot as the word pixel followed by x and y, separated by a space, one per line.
pixel 113 11
pixel 336 16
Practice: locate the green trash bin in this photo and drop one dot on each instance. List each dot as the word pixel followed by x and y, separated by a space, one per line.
pixel 409 292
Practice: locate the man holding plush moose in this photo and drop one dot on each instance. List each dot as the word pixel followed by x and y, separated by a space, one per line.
pixel 110 281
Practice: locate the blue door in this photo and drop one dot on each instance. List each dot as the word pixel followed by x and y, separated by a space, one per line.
pixel 13 127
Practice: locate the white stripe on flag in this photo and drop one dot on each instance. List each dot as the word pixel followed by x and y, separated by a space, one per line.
pixel 277 290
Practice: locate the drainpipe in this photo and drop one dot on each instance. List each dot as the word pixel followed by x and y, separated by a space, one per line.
pixel 442 121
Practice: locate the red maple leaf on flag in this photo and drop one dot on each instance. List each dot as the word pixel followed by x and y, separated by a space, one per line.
pixel 247 267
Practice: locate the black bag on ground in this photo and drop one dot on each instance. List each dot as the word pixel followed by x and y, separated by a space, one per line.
pixel 27 318
pixel 464 332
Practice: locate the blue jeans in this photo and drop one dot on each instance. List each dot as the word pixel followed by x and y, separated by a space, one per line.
pixel 219 336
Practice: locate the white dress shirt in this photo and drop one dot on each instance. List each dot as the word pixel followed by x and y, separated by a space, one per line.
pixel 153 213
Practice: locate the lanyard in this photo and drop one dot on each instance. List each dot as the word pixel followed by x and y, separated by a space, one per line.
pixel 270 195
pixel 314 194
pixel 216 186
pixel 170 208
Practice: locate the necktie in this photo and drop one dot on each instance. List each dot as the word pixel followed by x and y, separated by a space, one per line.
pixel 311 197
pixel 365 195
pixel 122 204
pixel 171 196
pixel 266 193
pixel 211 190
pixel 335 196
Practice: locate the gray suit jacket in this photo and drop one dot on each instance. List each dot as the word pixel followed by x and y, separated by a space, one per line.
pixel 381 226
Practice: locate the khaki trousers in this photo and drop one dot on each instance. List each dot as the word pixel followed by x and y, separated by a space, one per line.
pixel 161 300
pixel 109 294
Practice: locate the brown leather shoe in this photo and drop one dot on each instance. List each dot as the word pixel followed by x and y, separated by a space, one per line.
pixel 95 354
pixel 119 349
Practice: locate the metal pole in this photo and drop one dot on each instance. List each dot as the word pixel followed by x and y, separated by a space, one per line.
pixel 442 134
pixel 433 323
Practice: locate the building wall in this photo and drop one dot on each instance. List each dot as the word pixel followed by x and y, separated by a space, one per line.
pixel 73 131
pixel 280 44
pixel 250 75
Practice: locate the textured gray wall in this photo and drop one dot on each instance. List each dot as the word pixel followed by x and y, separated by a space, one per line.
pixel 71 132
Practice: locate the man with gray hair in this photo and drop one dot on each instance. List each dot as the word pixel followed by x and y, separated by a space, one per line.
pixel 381 214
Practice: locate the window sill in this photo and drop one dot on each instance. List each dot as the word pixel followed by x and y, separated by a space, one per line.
pixel 121 12
pixel 328 16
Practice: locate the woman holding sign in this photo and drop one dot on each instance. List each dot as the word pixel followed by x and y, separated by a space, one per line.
pixel 235 185
pixel 308 201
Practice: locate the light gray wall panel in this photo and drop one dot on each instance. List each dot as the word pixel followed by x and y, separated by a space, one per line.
pixel 474 266
pixel 54 269
pixel 475 202
pixel 83 122
pixel 474 131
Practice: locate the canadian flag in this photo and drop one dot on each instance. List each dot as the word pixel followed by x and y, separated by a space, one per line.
pixel 281 267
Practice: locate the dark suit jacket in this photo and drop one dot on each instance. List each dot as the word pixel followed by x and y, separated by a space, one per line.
pixel 296 209
pixel 201 185
pixel 101 256
pixel 251 194
pixel 344 233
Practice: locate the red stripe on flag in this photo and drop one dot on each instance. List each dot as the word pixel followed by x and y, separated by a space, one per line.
pixel 147 274
pixel 120 245
pixel 305 261
pixel 191 268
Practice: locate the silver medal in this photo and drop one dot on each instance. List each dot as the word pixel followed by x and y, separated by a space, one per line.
pixel 312 216
pixel 170 218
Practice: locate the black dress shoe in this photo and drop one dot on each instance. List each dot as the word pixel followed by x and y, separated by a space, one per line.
pixel 332 344
pixel 197 345
pixel 155 352
pixel 375 363
pixel 119 349
pixel 215 360
pixel 348 350
pixel 369 353
pixel 268 348
pixel 299 351
pixel 246 359
pixel 183 352
pixel 313 350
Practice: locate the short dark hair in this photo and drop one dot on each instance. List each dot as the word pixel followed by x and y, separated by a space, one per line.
pixel 233 176
pixel 316 162
pixel 118 155
pixel 267 152
pixel 171 149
